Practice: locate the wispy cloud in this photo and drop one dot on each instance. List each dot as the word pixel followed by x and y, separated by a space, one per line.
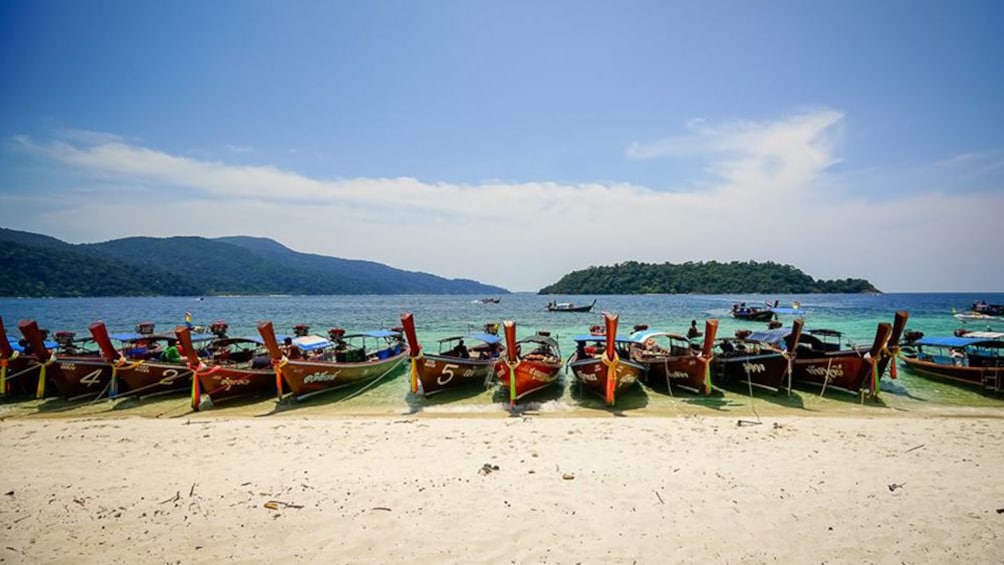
pixel 772 199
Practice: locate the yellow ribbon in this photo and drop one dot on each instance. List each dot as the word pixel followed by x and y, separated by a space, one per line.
pixel 3 373
pixel 414 374
pixel 611 376
pixel 707 376
pixel 512 382
pixel 875 376
pixel 119 363
pixel 40 391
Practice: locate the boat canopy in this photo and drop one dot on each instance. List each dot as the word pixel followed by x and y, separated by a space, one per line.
pixel 17 346
pixel 133 336
pixel 773 337
pixel 542 339
pixel 952 341
pixel 642 336
pixel 375 333
pixel 603 338
pixel 490 339
pixel 786 310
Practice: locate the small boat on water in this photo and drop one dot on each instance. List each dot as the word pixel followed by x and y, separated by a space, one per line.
pixel 974 359
pixel 981 307
pixel 672 362
pixel 754 362
pixel 81 372
pixel 741 311
pixel 311 364
pixel 237 367
pixel 569 307
pixel 603 364
pixel 490 300
pixel 529 364
pixel 456 364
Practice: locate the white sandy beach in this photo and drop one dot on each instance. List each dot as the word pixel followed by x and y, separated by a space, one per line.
pixel 689 489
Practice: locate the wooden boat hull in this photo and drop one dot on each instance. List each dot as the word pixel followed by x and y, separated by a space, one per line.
pixel 152 378
pixel 437 373
pixel 593 373
pixel 764 370
pixel 754 316
pixel 79 377
pixel 964 375
pixel 307 378
pixel 844 370
pixel 531 376
pixel 687 372
pixel 22 376
pixel 223 384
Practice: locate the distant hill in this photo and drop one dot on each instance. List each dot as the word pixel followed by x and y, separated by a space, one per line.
pixel 38 265
pixel 701 278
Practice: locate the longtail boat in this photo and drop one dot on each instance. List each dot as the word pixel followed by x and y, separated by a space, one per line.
pixel 83 373
pixel 315 364
pixel 529 365
pixel 756 363
pixel 569 307
pixel 238 367
pixel 145 362
pixel 18 370
pixel 975 359
pixel 455 365
pixel 765 313
pixel 671 362
pixel 608 370
pixel 820 360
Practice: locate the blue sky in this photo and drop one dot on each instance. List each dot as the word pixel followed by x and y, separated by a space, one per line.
pixel 484 140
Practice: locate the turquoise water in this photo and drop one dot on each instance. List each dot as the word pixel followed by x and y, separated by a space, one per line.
pixel 441 316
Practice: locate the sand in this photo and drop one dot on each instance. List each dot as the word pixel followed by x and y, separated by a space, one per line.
pixel 494 489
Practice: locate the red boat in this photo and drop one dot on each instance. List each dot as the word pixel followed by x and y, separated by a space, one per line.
pixel 143 364
pixel 82 374
pixel 313 364
pixel 530 364
pixel 18 370
pixel 239 367
pixel 821 362
pixel 671 362
pixel 606 370
pixel 455 365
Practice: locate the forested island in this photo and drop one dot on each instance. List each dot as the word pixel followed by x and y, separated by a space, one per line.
pixel 37 265
pixel 712 277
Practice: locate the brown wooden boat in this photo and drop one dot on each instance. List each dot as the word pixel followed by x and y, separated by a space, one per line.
pixel 455 365
pixel 322 365
pixel 529 365
pixel 145 371
pixel 607 370
pixel 18 370
pixel 671 362
pixel 238 367
pixel 820 361
pixel 83 374
pixel 741 360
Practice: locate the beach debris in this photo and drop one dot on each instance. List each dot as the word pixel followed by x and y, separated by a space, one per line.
pixel 277 504
pixel 9 493
pixel 1000 510
pixel 742 423
pixel 915 448
pixel 191 491
pixel 568 476
pixel 488 468
pixel 894 486
pixel 657 495
pixel 175 498
pixel 384 508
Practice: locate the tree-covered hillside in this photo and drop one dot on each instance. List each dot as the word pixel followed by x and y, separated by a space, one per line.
pixel 700 278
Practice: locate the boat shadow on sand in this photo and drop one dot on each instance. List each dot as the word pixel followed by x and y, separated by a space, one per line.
pixel 633 398
pixel 738 394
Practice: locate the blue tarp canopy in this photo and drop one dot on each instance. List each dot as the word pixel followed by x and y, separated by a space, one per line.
pixel 17 347
pixel 133 336
pixel 787 310
pixel 948 341
pixel 642 336
pixel 770 336
pixel 311 342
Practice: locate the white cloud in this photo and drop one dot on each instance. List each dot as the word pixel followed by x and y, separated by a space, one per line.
pixel 774 199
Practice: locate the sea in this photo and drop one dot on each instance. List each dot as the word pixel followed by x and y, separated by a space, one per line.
pixel 439 316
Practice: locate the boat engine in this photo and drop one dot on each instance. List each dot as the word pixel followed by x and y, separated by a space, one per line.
pixel 300 330
pixel 492 328
pixel 910 336
pixel 219 328
pixel 65 339
pixel 336 334
pixel 640 327
pixel 145 328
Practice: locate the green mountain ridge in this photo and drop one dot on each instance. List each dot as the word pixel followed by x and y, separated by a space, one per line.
pixel 710 277
pixel 39 265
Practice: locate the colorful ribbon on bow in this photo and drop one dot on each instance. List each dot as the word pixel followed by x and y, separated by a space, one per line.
pixel 611 376
pixel 119 363
pixel 40 391
pixel 278 365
